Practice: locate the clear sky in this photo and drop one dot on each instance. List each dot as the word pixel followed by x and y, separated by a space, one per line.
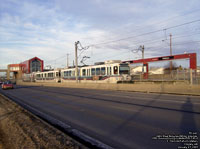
pixel 112 29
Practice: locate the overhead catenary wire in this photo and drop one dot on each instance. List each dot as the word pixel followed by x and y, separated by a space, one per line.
pixel 156 47
pixel 159 40
pixel 175 44
pixel 58 58
pixel 147 42
pixel 160 22
pixel 86 47
pixel 133 50
pixel 143 34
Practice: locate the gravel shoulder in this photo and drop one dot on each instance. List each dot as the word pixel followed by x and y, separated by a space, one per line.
pixel 21 129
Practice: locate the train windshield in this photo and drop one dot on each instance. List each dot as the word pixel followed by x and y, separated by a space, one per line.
pixel 124 69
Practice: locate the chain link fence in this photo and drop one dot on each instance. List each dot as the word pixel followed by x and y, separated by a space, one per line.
pixel 175 75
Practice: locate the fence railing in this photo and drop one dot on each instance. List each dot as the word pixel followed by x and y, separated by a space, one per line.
pixel 175 75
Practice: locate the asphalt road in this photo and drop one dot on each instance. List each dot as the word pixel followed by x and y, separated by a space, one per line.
pixel 119 119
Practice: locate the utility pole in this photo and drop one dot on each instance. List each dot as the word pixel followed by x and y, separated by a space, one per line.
pixel 67 60
pixel 76 60
pixel 170 51
pixel 142 50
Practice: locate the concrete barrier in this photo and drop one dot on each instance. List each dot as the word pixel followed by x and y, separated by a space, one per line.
pixel 184 89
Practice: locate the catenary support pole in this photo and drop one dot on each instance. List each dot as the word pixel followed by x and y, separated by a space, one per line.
pixel 76 60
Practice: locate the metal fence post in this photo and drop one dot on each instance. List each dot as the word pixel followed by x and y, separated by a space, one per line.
pixel 177 77
pixel 184 74
pixel 191 78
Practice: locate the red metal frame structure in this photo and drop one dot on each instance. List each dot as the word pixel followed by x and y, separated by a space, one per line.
pixel 190 56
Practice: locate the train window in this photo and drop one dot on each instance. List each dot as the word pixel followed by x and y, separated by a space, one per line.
pixel 83 72
pixel 65 73
pixel 38 75
pixel 103 70
pixel 50 75
pixel 115 70
pixel 124 69
pixel 93 71
pixel 110 71
pixel 97 71
pixel 45 75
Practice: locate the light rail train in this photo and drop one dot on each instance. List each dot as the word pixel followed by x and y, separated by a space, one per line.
pixel 112 71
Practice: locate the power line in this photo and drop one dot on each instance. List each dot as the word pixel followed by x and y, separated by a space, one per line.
pixel 175 44
pixel 155 41
pixel 159 22
pixel 84 48
pixel 158 40
pixel 147 48
pixel 119 54
pixel 56 58
pixel 186 42
pixel 144 33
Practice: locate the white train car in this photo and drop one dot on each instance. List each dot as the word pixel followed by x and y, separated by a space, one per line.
pixel 47 76
pixel 68 75
pixel 107 72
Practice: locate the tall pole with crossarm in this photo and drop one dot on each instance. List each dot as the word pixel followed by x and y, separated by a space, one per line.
pixel 76 61
pixel 170 51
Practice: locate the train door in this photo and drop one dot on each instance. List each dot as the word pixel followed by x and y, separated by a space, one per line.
pixel 58 76
pixel 115 70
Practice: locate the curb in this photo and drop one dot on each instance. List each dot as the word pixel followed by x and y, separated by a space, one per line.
pixel 74 133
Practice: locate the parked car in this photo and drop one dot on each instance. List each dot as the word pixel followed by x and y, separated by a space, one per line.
pixel 7 85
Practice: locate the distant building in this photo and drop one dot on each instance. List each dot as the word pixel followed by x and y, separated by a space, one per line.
pixel 138 70
pixel 198 69
pixel 16 69
pixel 157 70
pixel 32 65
